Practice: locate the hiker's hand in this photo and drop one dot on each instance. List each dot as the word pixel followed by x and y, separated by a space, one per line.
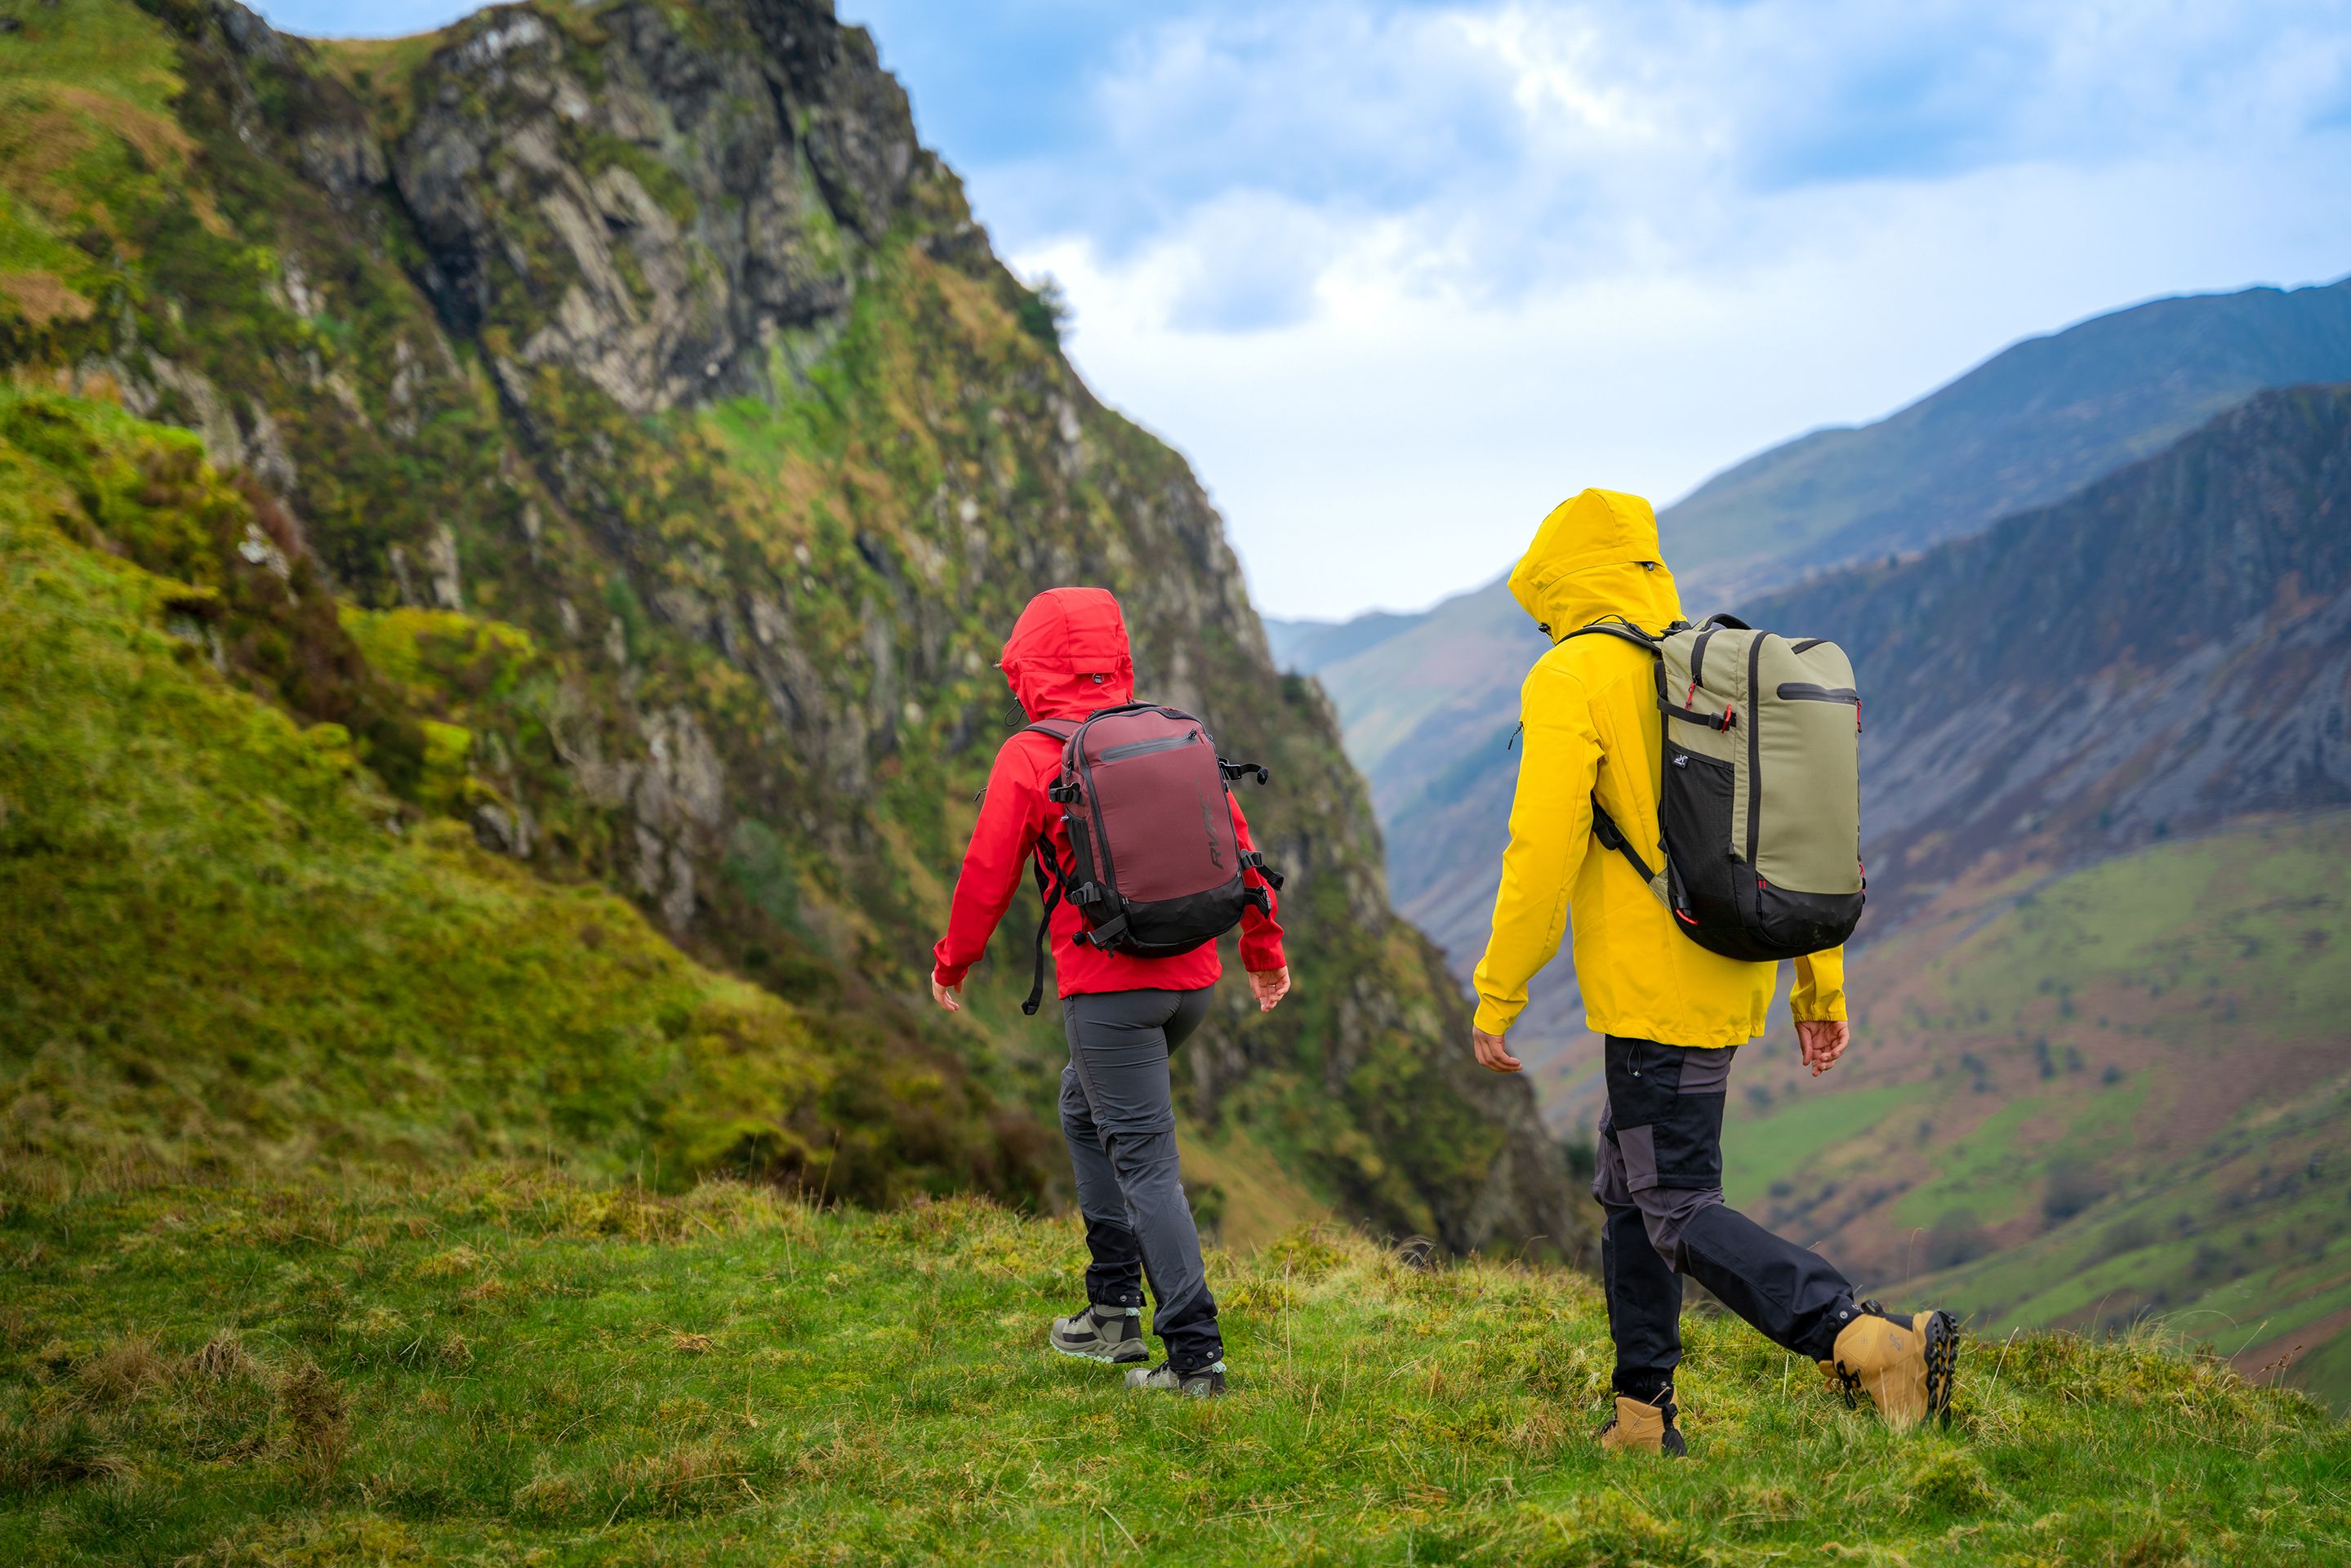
pixel 945 995
pixel 1269 986
pixel 1821 1044
pixel 1492 1054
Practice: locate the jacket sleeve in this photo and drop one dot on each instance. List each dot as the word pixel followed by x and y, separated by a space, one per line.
pixel 1011 816
pixel 1550 830
pixel 1819 993
pixel 1261 933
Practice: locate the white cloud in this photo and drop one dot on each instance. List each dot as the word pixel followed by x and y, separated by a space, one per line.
pixel 1398 278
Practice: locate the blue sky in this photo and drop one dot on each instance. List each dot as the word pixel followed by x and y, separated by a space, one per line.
pixel 1397 276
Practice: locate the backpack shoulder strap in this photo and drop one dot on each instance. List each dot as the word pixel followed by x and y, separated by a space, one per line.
pixel 1604 827
pixel 1617 626
pixel 1048 891
pixel 1048 874
pixel 1612 837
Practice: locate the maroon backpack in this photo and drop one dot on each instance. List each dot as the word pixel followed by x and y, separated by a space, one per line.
pixel 1156 867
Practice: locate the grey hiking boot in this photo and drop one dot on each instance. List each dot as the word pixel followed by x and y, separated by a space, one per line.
pixel 1114 1334
pixel 1206 1384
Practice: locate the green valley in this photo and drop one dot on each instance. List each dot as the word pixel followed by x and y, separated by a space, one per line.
pixel 2092 1097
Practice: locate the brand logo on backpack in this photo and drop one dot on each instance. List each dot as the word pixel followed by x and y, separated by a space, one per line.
pixel 1208 826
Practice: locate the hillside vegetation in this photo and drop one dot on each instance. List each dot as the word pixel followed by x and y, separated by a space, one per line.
pixel 615 423
pixel 220 933
pixel 511 1367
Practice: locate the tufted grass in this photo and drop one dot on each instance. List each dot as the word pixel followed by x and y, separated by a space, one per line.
pixel 507 1366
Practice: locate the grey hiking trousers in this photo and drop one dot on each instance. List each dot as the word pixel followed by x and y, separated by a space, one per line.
pixel 1120 1120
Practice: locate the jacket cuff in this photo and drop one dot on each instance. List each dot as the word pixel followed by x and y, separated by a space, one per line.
pixel 1828 1008
pixel 1262 958
pixel 949 975
pixel 1493 1020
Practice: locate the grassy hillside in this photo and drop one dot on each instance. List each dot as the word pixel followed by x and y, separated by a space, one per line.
pixel 2088 1098
pixel 221 934
pixel 509 1367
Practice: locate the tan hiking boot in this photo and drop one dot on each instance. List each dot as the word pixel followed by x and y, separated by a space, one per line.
pixel 1639 1427
pixel 1905 1366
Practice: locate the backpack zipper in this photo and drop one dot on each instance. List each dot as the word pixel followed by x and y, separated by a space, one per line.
pixel 1143 747
pixel 1754 743
pixel 1806 691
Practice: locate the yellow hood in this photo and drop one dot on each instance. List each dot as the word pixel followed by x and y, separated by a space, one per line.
pixel 1595 556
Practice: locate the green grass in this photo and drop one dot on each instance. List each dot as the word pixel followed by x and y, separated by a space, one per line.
pixel 1759 1154
pixel 1983 1174
pixel 505 1366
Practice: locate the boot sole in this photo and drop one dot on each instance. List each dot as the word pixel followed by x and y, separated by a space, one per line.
pixel 1112 1359
pixel 1942 1335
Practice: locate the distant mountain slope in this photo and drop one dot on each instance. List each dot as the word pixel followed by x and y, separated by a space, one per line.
pixel 2169 648
pixel 2027 426
pixel 2082 1097
pixel 1304 647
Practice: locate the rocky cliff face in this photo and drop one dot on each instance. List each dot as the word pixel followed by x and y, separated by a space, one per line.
pixel 651 330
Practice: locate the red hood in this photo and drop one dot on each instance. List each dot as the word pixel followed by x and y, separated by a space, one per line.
pixel 1067 656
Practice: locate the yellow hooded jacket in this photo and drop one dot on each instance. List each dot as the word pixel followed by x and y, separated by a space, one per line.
pixel 1590 715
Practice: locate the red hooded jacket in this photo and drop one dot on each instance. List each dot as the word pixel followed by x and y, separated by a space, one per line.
pixel 1068 658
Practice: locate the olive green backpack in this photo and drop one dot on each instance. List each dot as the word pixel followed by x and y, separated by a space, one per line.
pixel 1762 801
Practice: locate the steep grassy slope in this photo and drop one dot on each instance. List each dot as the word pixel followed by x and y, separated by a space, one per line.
pixel 513 1368
pixel 2081 1098
pixel 651 334
pixel 219 934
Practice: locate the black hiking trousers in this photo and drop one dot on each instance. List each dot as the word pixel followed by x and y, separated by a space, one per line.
pixel 1119 1119
pixel 1660 1185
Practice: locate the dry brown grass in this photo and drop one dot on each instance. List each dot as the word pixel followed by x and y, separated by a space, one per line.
pixel 43 296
